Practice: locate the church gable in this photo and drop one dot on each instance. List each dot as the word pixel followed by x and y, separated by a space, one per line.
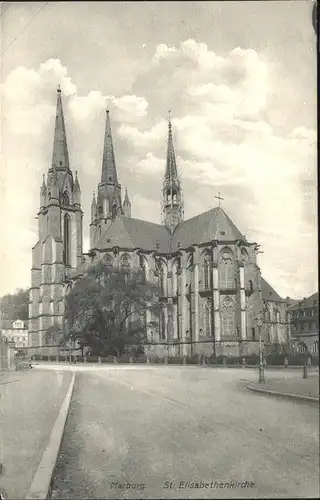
pixel 211 225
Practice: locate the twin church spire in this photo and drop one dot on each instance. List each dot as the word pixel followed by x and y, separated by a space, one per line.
pixel 60 156
pixel 107 203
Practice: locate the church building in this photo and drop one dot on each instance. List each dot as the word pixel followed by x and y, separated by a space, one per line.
pixel 211 289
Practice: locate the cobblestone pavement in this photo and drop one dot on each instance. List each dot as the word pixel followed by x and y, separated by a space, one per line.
pixel 144 433
pixel 29 404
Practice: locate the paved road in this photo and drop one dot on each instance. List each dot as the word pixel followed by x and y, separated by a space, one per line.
pixel 155 427
pixel 29 405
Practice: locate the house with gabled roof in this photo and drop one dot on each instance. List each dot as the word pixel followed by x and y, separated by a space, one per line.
pixel 304 320
pixel 211 289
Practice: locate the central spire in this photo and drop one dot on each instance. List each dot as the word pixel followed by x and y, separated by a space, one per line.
pixel 109 170
pixel 60 157
pixel 172 203
pixel 171 167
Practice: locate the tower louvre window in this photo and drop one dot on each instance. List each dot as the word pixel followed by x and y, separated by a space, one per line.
pixel 65 198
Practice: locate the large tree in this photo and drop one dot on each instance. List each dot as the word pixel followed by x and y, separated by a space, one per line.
pixel 15 305
pixel 106 309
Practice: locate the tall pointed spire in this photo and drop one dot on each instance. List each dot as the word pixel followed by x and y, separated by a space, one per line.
pixel 171 166
pixel 172 202
pixel 126 205
pixel 109 169
pixel 60 157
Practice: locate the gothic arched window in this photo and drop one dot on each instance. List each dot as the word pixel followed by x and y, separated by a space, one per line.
pixel 267 315
pixel 175 278
pixel 207 270
pixel 65 198
pixel 143 266
pixel 108 261
pixel 114 211
pixel 207 318
pixel 228 317
pixel 125 262
pixel 66 239
pixel 161 279
pixel 226 269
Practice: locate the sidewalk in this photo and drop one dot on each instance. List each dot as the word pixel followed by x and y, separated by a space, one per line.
pixel 295 388
pixel 29 405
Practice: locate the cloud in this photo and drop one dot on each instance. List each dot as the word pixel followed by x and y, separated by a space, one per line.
pixel 223 141
pixel 144 138
pixel 127 108
pixel 162 51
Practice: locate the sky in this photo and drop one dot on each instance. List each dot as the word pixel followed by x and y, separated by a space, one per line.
pixel 240 81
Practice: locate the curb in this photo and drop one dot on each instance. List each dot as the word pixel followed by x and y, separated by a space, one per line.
pixel 284 394
pixel 41 484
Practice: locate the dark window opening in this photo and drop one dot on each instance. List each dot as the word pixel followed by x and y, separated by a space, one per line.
pixel 253 333
pixel 67 240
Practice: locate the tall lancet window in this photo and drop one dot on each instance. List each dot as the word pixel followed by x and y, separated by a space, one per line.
pixel 207 318
pixel 66 239
pixel 162 284
pixel 207 270
pixel 228 313
pixel 143 266
pixel 226 269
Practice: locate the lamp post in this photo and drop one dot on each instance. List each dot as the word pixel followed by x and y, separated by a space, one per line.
pixel 261 363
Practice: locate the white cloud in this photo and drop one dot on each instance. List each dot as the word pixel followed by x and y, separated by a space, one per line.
pixel 162 51
pixel 223 143
pixel 144 138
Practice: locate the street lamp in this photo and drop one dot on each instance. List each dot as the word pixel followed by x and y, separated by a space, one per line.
pixel 261 363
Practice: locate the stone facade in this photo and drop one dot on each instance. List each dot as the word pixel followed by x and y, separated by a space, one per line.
pixel 58 250
pixel 211 287
pixel 304 319
pixel 17 333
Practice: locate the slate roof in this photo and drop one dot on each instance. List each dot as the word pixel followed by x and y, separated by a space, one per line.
pixel 307 302
pixel 126 232
pixel 268 293
pixel 211 225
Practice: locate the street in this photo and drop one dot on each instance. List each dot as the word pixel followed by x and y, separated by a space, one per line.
pixel 29 405
pixel 171 432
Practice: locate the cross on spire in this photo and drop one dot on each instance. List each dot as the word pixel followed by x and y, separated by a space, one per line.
pixel 219 198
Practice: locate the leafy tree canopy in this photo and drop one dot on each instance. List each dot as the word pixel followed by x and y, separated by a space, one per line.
pixel 106 309
pixel 14 306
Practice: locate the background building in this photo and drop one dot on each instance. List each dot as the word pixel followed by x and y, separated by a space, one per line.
pixel 304 317
pixel 15 332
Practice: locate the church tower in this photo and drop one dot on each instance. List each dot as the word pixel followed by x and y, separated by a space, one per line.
pixel 172 203
pixel 59 248
pixel 108 205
